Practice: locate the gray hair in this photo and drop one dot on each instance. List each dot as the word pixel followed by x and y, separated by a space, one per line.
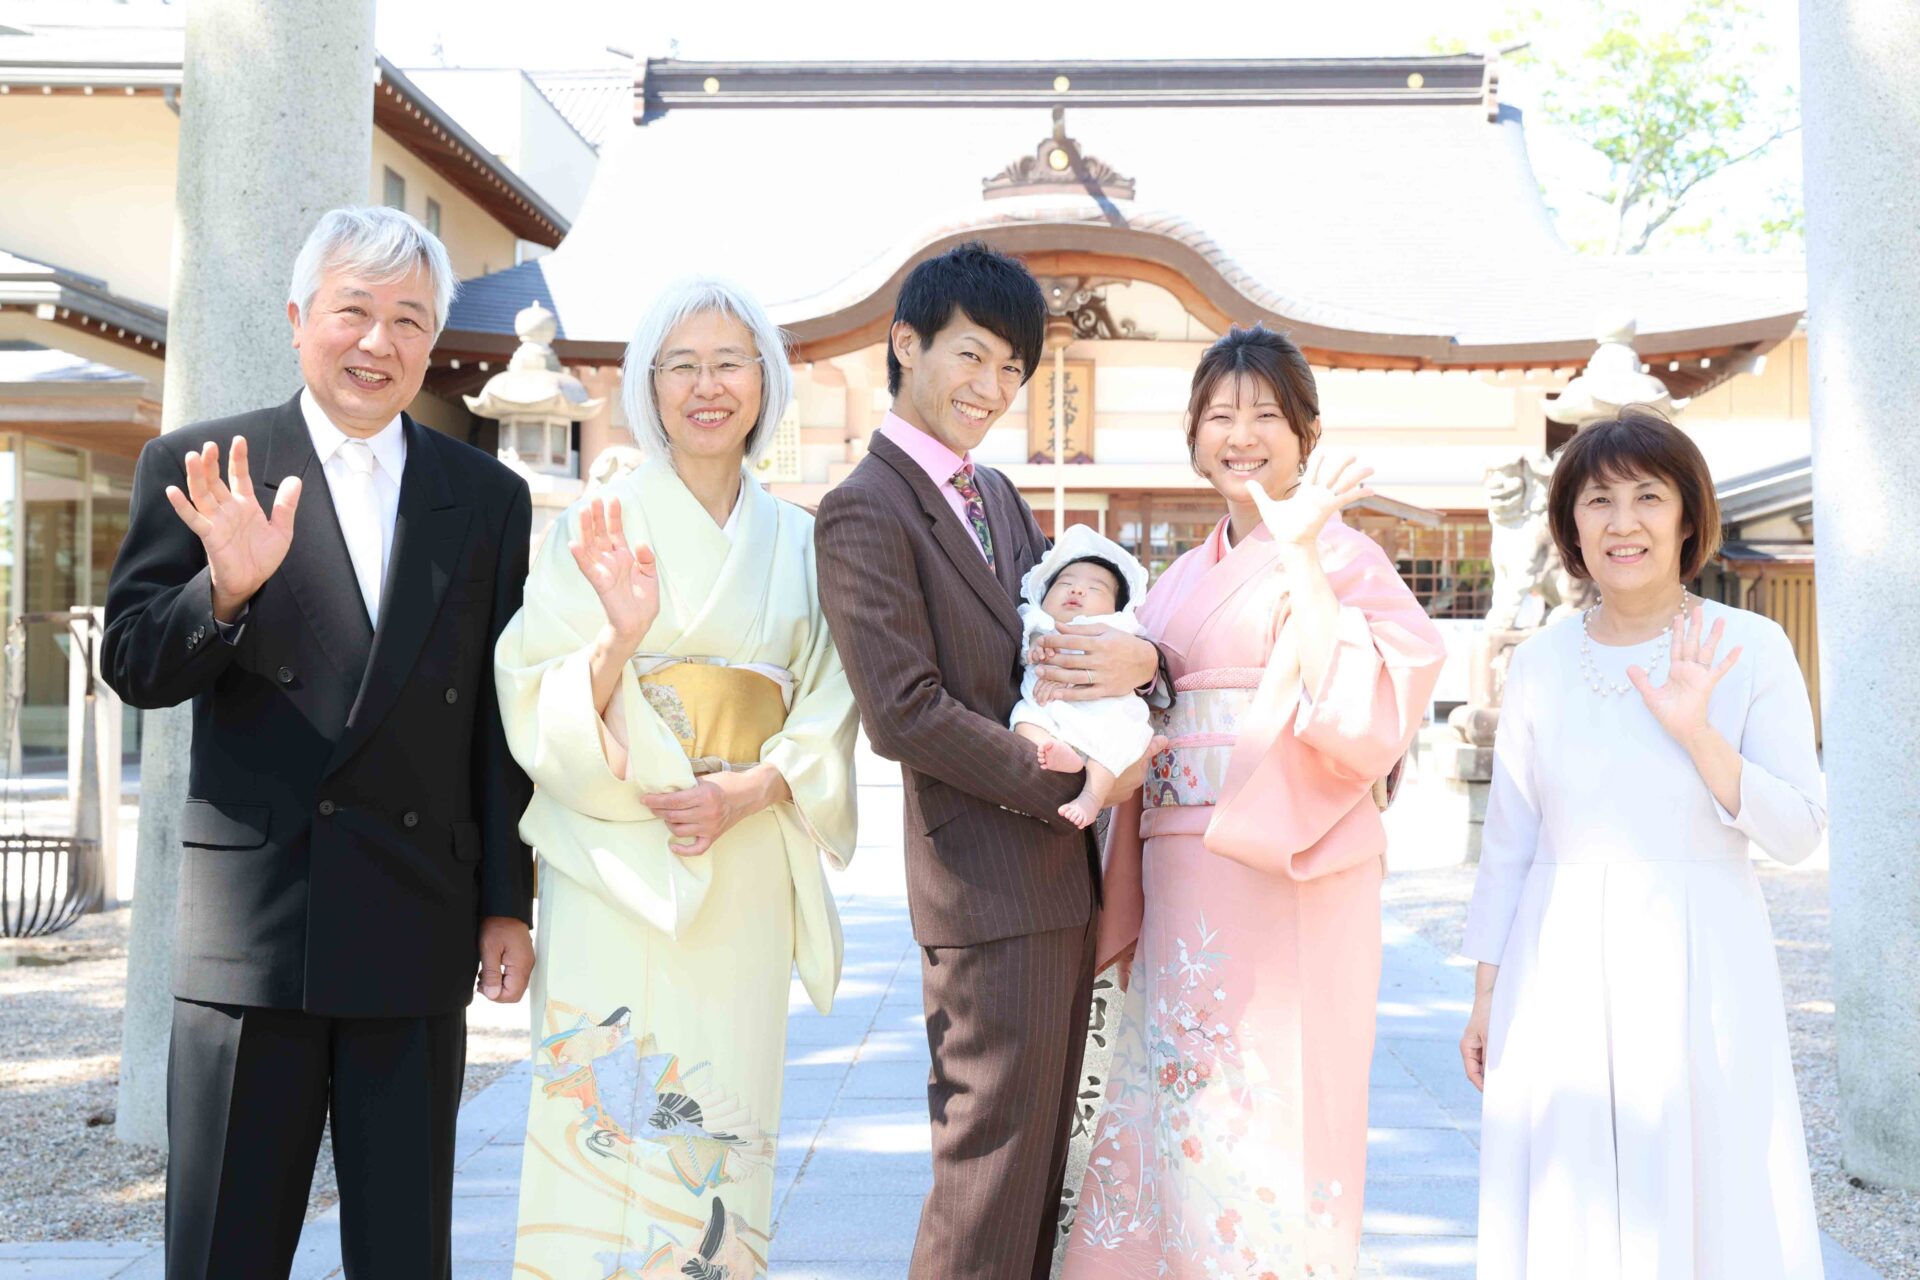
pixel 678 303
pixel 378 244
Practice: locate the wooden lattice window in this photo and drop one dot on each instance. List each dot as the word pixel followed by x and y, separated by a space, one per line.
pixel 1446 566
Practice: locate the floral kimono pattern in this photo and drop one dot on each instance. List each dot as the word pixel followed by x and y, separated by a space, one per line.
pixel 1233 1143
pixel 661 990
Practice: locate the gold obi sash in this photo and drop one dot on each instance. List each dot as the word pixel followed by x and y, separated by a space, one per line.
pixel 1201 727
pixel 722 715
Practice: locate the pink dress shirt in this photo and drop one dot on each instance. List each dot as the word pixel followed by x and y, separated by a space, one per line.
pixel 938 461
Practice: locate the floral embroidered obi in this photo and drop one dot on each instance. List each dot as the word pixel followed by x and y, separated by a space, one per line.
pixel 721 714
pixel 1201 727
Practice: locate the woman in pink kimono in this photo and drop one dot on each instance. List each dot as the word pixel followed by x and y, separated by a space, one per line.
pixel 1243 883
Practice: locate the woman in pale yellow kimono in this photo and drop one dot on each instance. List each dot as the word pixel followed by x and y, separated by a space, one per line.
pixel 671 688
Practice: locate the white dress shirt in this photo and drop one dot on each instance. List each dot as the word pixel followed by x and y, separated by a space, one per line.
pixel 389 447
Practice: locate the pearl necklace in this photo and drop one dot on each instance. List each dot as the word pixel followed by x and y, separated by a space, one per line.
pixel 1591 673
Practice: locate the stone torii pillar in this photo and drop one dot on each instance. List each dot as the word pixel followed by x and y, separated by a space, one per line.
pixel 1862 149
pixel 276 127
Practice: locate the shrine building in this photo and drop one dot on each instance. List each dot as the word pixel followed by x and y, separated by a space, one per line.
pixel 1381 211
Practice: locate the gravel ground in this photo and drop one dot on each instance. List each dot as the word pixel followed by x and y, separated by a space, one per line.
pixel 1879 1225
pixel 62 1176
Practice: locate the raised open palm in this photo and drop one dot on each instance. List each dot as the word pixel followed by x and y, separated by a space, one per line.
pixel 244 544
pixel 626 580
pixel 1298 518
pixel 1680 704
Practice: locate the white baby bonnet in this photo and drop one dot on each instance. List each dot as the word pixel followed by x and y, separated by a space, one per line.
pixel 1081 540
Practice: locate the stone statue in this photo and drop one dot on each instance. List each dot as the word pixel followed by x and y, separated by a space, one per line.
pixel 1531 585
pixel 1563 593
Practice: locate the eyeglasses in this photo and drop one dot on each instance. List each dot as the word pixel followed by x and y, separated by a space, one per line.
pixel 731 371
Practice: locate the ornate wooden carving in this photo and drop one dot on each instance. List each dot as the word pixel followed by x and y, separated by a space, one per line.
pixel 1055 164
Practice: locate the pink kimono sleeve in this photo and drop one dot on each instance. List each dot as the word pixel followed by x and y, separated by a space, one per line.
pixel 1298 793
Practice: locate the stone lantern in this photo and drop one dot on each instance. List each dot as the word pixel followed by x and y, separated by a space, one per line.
pixel 1612 380
pixel 537 403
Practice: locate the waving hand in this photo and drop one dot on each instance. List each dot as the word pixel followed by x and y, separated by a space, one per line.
pixel 626 580
pixel 244 544
pixel 1680 704
pixel 1298 518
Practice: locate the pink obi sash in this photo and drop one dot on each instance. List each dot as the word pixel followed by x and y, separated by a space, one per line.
pixel 1201 726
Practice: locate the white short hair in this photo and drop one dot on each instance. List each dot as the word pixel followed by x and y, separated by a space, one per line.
pixel 377 244
pixel 678 303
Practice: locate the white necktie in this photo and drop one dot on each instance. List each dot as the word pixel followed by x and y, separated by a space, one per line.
pixel 359 508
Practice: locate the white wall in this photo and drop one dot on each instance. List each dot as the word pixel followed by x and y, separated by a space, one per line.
pixel 509 116
pixel 87 183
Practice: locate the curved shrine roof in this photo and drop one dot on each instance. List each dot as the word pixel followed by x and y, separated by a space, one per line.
pixel 1406 226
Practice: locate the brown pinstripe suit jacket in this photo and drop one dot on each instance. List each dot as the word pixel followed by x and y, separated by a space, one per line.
pixel 930 638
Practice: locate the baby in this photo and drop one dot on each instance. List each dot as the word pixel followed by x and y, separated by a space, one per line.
pixel 1085 578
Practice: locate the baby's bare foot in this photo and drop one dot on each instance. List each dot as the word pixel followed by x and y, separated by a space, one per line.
pixel 1080 813
pixel 1158 746
pixel 1057 757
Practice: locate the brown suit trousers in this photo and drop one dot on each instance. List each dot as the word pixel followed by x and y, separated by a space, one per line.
pixel 1000 887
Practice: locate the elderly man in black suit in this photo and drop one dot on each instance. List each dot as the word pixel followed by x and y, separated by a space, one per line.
pixel 350 847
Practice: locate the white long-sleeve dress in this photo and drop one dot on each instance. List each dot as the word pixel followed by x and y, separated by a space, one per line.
pixel 1640 1120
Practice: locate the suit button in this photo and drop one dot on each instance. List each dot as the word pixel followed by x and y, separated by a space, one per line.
pixel 286 675
pixel 410 818
pixel 326 808
pixel 453 696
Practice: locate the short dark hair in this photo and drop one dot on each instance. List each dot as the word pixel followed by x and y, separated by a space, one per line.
pixel 1273 359
pixel 1120 592
pixel 995 291
pixel 1640 442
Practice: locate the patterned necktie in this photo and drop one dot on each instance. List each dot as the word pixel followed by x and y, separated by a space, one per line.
pixel 359 508
pixel 962 481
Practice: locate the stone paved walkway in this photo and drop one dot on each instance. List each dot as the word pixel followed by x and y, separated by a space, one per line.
pixel 853 1164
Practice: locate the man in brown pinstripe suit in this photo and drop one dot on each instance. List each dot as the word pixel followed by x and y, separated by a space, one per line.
pixel 920 557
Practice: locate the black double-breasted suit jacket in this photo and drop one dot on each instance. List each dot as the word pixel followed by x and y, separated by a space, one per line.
pixel 352 807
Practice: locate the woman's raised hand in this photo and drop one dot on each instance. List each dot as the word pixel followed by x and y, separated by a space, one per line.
pixel 626 580
pixel 1680 705
pixel 1297 519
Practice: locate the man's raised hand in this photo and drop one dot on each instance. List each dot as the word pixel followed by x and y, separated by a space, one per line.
pixel 244 545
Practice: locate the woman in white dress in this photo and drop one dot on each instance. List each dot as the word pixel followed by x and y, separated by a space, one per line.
pixel 1640 1120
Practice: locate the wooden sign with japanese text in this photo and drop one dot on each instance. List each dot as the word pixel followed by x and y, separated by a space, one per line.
pixel 1076 412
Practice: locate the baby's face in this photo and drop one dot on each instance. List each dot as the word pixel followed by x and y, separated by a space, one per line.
pixel 1080 590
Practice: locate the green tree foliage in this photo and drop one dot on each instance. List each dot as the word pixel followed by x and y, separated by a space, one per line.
pixel 1668 106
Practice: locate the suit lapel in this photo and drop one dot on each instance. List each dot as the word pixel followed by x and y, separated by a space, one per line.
pixel 429 530
pixel 954 538
pixel 317 571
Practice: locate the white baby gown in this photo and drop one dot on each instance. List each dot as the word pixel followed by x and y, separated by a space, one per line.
pixel 1113 732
